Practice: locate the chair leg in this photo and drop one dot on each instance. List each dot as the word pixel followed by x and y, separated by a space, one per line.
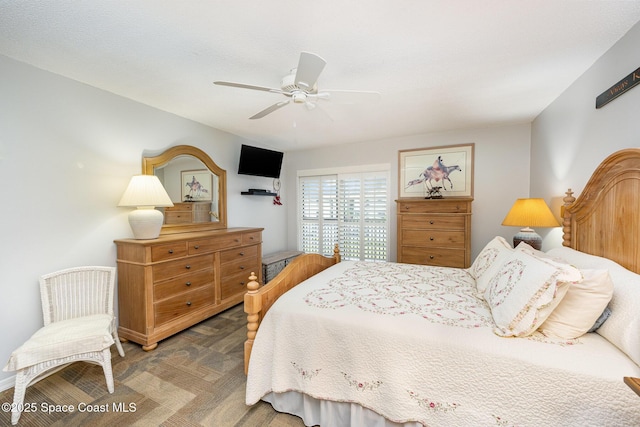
pixel 106 367
pixel 116 338
pixel 18 397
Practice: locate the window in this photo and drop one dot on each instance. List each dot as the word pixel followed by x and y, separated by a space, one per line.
pixel 349 208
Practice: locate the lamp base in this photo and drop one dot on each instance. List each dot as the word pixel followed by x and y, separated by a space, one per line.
pixel 146 223
pixel 530 237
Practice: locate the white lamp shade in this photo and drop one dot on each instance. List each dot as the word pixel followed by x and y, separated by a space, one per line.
pixel 145 192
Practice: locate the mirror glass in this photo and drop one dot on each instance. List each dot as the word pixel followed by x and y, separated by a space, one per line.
pixel 196 185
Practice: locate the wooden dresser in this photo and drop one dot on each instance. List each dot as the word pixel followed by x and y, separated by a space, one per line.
pixel 168 284
pixel 435 231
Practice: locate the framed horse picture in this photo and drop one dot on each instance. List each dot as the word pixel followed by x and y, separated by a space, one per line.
pixel 196 186
pixel 436 172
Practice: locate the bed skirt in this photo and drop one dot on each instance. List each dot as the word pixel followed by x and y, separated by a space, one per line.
pixel 315 412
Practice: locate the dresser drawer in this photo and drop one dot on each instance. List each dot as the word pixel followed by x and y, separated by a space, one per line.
pixel 234 284
pixel 251 238
pixel 243 252
pixel 434 206
pixel 169 269
pixel 441 257
pixel 241 265
pixel 178 217
pixel 182 304
pixel 182 283
pixel 434 238
pixel 427 221
pixel 168 251
pixel 214 244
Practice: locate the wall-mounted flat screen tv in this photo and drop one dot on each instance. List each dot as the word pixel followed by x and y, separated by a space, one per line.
pixel 260 162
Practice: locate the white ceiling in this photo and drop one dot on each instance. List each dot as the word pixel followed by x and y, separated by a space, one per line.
pixel 438 64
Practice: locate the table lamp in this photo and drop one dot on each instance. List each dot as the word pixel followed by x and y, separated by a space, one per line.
pixel 529 213
pixel 145 192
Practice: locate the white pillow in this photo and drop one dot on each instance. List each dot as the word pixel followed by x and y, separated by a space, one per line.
pixel 525 290
pixel 581 306
pixel 489 261
pixel 622 328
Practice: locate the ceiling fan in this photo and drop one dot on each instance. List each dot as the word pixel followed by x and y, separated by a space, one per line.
pixel 301 87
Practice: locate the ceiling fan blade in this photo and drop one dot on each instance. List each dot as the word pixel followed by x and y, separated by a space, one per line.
pixel 309 68
pixel 349 96
pixel 269 110
pixel 245 86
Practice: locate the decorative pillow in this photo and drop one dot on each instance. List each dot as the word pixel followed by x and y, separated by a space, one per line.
pixel 522 246
pixel 525 290
pixel 489 261
pixel 581 306
pixel 622 328
pixel 603 318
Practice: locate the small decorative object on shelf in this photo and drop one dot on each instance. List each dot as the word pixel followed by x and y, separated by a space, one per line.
pixel 276 189
pixel 434 193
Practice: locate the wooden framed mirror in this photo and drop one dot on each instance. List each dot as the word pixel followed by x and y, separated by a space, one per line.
pixel 197 187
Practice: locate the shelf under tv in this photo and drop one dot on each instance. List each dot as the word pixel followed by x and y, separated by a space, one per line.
pixel 253 192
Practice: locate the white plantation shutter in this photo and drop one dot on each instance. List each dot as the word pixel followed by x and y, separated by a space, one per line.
pixel 319 213
pixel 351 209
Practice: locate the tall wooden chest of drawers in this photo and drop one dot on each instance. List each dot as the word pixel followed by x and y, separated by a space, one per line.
pixel 435 231
pixel 168 284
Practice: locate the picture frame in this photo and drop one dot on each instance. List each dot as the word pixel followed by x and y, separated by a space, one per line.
pixel 196 186
pixel 450 167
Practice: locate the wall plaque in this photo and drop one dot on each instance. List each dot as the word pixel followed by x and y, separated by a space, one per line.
pixel 618 89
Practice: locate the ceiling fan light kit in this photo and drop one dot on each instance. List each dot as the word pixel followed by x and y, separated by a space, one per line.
pixel 301 87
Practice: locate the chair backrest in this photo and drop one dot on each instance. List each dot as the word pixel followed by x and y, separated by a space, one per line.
pixel 77 292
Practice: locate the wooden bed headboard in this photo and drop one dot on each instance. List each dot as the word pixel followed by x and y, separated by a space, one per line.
pixel 605 219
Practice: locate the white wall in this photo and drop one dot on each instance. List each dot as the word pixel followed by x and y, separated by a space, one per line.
pixel 67 151
pixel 501 173
pixel 571 137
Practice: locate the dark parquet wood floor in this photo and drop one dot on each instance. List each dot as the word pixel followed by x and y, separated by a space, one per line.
pixel 194 378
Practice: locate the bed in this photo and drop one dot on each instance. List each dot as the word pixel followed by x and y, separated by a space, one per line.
pixel 506 342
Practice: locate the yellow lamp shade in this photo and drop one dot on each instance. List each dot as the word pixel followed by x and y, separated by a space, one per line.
pixel 529 213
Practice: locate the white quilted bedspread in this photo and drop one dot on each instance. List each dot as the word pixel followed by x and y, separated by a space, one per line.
pixel 415 343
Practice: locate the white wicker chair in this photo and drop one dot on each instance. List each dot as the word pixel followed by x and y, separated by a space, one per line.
pixel 79 325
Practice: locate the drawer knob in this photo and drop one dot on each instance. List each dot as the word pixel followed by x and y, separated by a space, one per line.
pixel 431 238
pixel 242 267
pixel 242 283
pixel 241 253
pixel 196 247
pixel 431 222
pixel 251 238
pixel 188 283
pixel 170 251
pixel 188 267
pixel 188 303
pixel 431 257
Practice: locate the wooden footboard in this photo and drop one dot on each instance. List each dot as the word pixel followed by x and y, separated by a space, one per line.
pixel 258 300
